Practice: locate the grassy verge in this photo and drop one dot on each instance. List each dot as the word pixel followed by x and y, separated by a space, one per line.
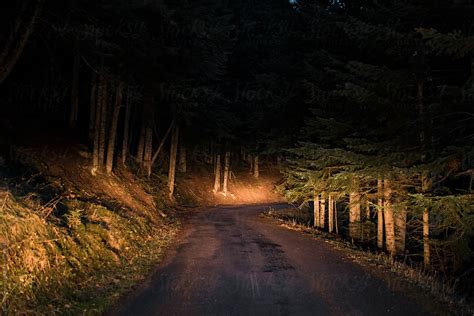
pixel 77 262
pixel 419 283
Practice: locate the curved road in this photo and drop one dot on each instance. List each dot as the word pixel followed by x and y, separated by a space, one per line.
pixel 231 261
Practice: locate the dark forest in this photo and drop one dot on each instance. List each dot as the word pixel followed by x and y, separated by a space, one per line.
pixel 246 157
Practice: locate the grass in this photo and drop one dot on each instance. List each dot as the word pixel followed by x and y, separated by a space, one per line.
pixel 397 273
pixel 79 262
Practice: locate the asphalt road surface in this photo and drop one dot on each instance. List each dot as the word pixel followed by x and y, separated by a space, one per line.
pixel 231 261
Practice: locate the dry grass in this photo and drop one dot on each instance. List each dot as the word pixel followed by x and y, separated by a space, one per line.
pixel 80 250
pixel 80 267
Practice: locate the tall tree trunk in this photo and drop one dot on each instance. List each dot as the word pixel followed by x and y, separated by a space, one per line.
pixel 250 160
pixel 74 111
pixel 148 151
pixel 256 169
pixel 141 144
pixel 182 166
pixel 400 229
pixel 173 156
pixel 97 120
pixel 330 213
pixel 226 172
pixel 426 184
pixel 217 173
pixel 354 215
pixel 426 238
pixel 389 218
pixel 380 213
pixel 158 150
pixel 322 210
pixel 113 128
pixel 93 106
pixel 15 46
pixel 316 210
pixel 103 122
pixel 126 128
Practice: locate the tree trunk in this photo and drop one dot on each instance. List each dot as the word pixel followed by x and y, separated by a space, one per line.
pixel 316 210
pixel 158 150
pixel 330 213
pixel 426 184
pixel 182 158
pixel 113 129
pixel 226 172
pixel 400 229
pixel 354 215
pixel 256 169
pixel 389 218
pixel 97 120
pixel 126 129
pixel 14 46
pixel 148 151
pixel 426 238
pixel 93 106
pixel 173 156
pixel 250 160
pixel 217 172
pixel 380 213
pixel 74 111
pixel 103 123
pixel 141 145
pixel 322 210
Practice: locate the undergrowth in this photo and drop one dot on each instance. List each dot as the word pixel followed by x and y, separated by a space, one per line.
pixel 78 262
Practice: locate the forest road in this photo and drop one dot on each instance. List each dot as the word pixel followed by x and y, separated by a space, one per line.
pixel 232 261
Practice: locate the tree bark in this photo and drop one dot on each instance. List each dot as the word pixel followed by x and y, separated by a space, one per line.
pixel 380 213
pixel 389 218
pixel 217 173
pixel 426 238
pixel 158 150
pixel 354 215
pixel 256 169
pixel 182 158
pixel 126 129
pixel 226 172
pixel 426 182
pixel 14 47
pixel 426 185
pixel 74 111
pixel 330 213
pixel 173 156
pixel 148 151
pixel 250 160
pixel 322 210
pixel 93 106
pixel 97 120
pixel 400 229
pixel 141 144
pixel 316 210
pixel 103 122
pixel 113 128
